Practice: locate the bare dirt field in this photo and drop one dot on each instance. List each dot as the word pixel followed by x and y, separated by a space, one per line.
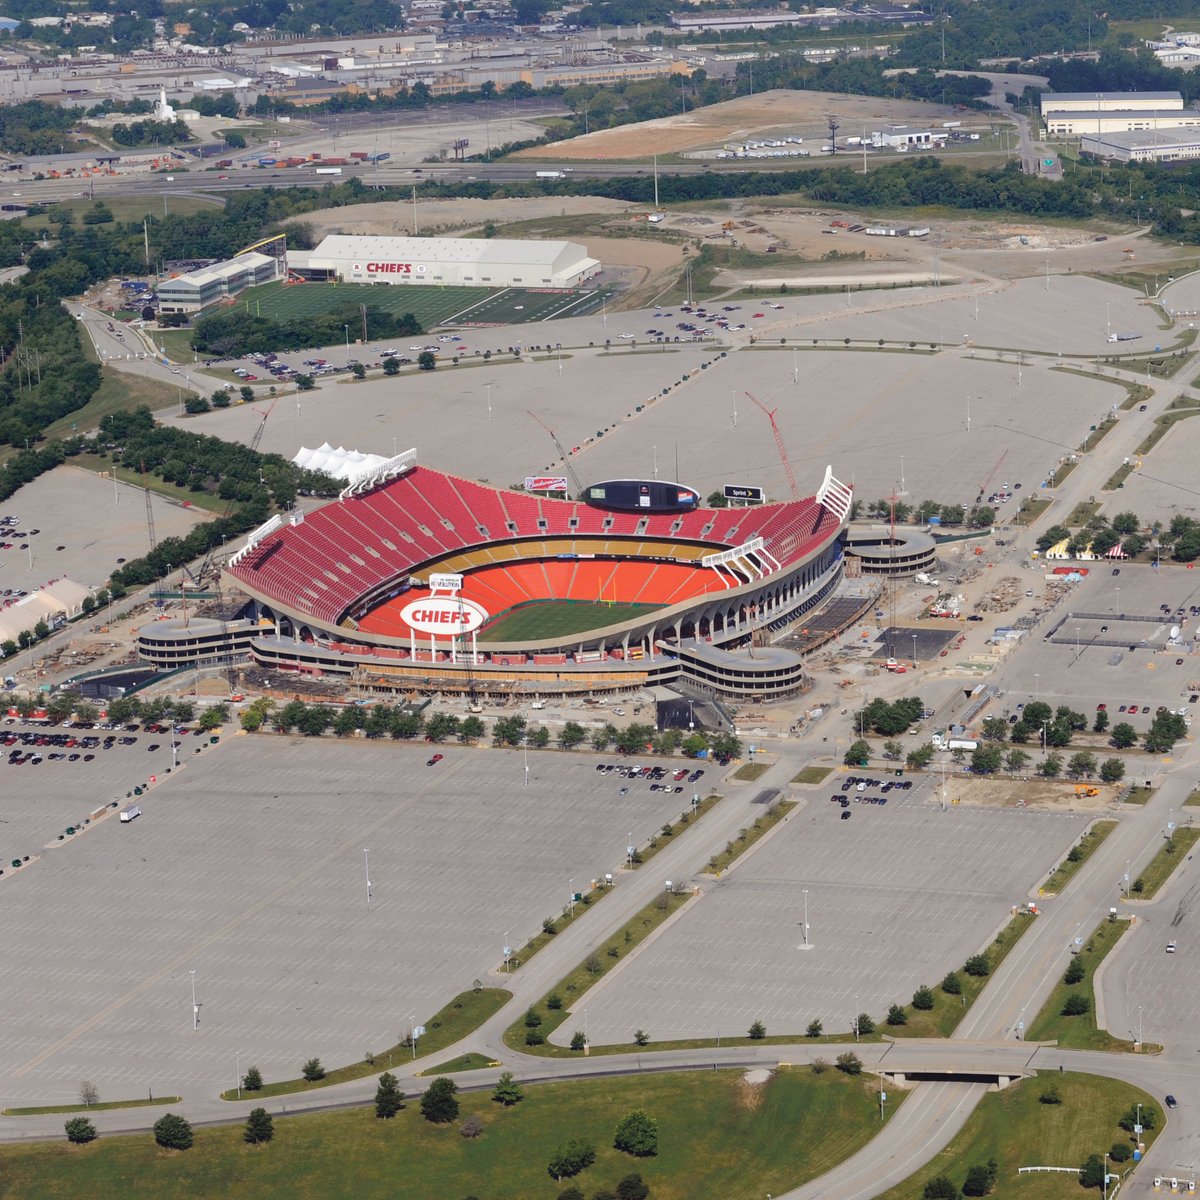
pixel 393 217
pixel 1035 792
pixel 749 116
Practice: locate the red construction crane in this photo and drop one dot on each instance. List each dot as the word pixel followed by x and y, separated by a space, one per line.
pixel 783 456
pixel 983 487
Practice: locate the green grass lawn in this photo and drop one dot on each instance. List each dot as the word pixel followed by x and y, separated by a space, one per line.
pixel 1017 1130
pixel 812 775
pixel 431 305
pixel 1088 845
pixel 466 1012
pixel 1080 1032
pixel 127 208
pixel 464 1062
pixel 717 1140
pixel 1193 800
pixel 118 392
pixel 1138 795
pixel 552 618
pixel 99 1106
pixel 751 771
pixel 1158 870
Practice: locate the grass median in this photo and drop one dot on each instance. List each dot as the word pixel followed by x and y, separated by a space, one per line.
pixel 1015 1128
pixel 464 1062
pixel 718 1137
pixel 949 1008
pixel 746 837
pixel 751 771
pixel 99 1106
pixel 812 775
pixel 1059 1019
pixel 1070 866
pixel 466 1012
pixel 1171 853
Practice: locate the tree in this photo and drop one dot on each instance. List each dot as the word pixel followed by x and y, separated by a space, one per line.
pixel 1075 1005
pixel 1074 973
pixel 260 1128
pixel 897 1015
pixel 572 1158
pixel 632 1187
pixel 439 1103
pixel 1130 1119
pixel 858 753
pixel 212 718
pixel 571 735
pixel 312 1070
pixel 922 999
pixel 892 749
pixel 1015 760
pixel 995 729
pixel 471 729
pixel 427 360
pixel 305 383
pixel 1100 724
pixel 1051 766
pixel 358 371
pixel 89 1094
pixel 578 1040
pixel 978 966
pixel 941 1188
pixel 80 1131
pixel 637 1134
pixel 919 758
pixel 849 1063
pixel 1092 1174
pixel 757 1031
pixel 1083 763
pixel 246 392
pixel 865 1024
pixel 814 1029
pixel 1112 770
pixel 389 1099
pixel 172 1132
pixel 986 760
pixel 981 1178
pixel 1123 736
pixel 507 1091
pixel 952 985
pixel 641 1037
pixel 1120 1152
pixel 252 1081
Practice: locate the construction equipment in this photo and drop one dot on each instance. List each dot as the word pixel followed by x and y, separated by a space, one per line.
pixel 1083 789
pixel 783 456
pixel 149 509
pixel 561 452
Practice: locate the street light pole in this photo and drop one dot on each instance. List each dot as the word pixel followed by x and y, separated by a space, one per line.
pixel 195 1007
pixel 572 886
pixel 238 1061
pixel 367 867
pixel 805 945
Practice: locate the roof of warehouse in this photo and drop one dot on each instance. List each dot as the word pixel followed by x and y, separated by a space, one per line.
pixel 464 250
pixel 1047 97
pixel 1138 139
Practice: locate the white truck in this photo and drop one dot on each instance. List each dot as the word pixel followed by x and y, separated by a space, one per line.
pixel 129 812
pixel 940 741
pixel 328 171
pixel 550 175
pixel 1123 337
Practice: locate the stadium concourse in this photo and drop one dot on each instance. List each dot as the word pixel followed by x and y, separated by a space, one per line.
pixel 415 577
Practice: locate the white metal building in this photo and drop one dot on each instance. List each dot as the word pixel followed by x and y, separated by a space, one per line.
pixel 1062 102
pixel 198 289
pixel 464 262
pixel 1164 145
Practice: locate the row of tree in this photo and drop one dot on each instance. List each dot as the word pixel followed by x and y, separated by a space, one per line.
pixel 235 333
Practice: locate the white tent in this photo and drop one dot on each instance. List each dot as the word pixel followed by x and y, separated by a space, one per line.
pixel 63 597
pixel 341 463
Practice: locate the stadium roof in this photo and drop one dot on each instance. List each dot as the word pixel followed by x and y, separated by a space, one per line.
pixel 464 250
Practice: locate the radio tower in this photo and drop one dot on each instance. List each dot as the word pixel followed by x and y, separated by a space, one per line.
pixel 833 128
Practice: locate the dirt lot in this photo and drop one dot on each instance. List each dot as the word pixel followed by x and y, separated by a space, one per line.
pixel 783 112
pixel 393 217
pixel 1035 792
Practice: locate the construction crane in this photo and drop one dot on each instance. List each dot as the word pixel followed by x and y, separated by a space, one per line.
pixel 983 487
pixel 196 578
pixel 149 509
pixel 562 453
pixel 783 456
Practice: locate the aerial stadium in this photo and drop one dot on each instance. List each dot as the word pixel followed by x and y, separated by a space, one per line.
pixel 417 579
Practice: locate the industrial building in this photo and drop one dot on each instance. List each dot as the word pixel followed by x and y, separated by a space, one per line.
pixel 453 262
pixel 196 290
pixel 1165 145
pixel 1100 122
pixel 1062 102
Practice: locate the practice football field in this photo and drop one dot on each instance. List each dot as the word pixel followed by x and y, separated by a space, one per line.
pixel 555 618
pixel 432 306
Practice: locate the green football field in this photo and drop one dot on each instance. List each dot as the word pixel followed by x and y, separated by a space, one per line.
pixel 555 618
pixel 432 306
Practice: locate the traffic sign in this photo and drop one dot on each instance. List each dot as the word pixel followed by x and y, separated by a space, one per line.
pixel 744 491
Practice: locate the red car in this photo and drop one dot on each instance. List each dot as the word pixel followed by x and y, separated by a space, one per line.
pixel 437 758
pixel 757 315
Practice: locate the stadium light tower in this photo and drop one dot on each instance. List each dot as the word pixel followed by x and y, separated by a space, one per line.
pixel 834 126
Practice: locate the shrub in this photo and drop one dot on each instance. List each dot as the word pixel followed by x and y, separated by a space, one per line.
pixel 389 1100
pixel 952 985
pixel 554 1001
pixel 1050 1096
pixel 940 1188
pixel 1092 1173
pixel 572 1158
pixel 897 1015
pixel 507 1090
pixel 312 1070
pixel 637 1134
pixel 978 966
pixel 439 1103
pixel 252 1081
pixel 865 1024
pixel 471 1128
pixel 981 1178
pixel 534 1037
pixel 1075 1005
pixel 80 1131
pixel 260 1128
pixel 814 1029
pixel 532 1019
pixel 1120 1152
pixel 578 1040
pixel 820 1066
pixel 1074 972
pixel 849 1063
pixel 172 1132
pixel 922 999
pixel 632 1187
pixel 641 1037
pixel 757 1031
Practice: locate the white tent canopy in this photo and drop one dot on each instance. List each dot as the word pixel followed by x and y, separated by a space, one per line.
pixel 341 463
pixel 64 596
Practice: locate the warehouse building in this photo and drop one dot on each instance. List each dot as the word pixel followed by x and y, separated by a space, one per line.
pixel 196 290
pixel 452 262
pixel 1062 102
pixel 1167 145
pixel 1099 122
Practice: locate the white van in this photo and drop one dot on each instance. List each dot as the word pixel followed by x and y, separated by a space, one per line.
pixel 129 812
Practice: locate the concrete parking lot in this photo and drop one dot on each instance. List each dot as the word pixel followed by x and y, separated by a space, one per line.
pixel 248 868
pixel 1165 482
pixel 897 896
